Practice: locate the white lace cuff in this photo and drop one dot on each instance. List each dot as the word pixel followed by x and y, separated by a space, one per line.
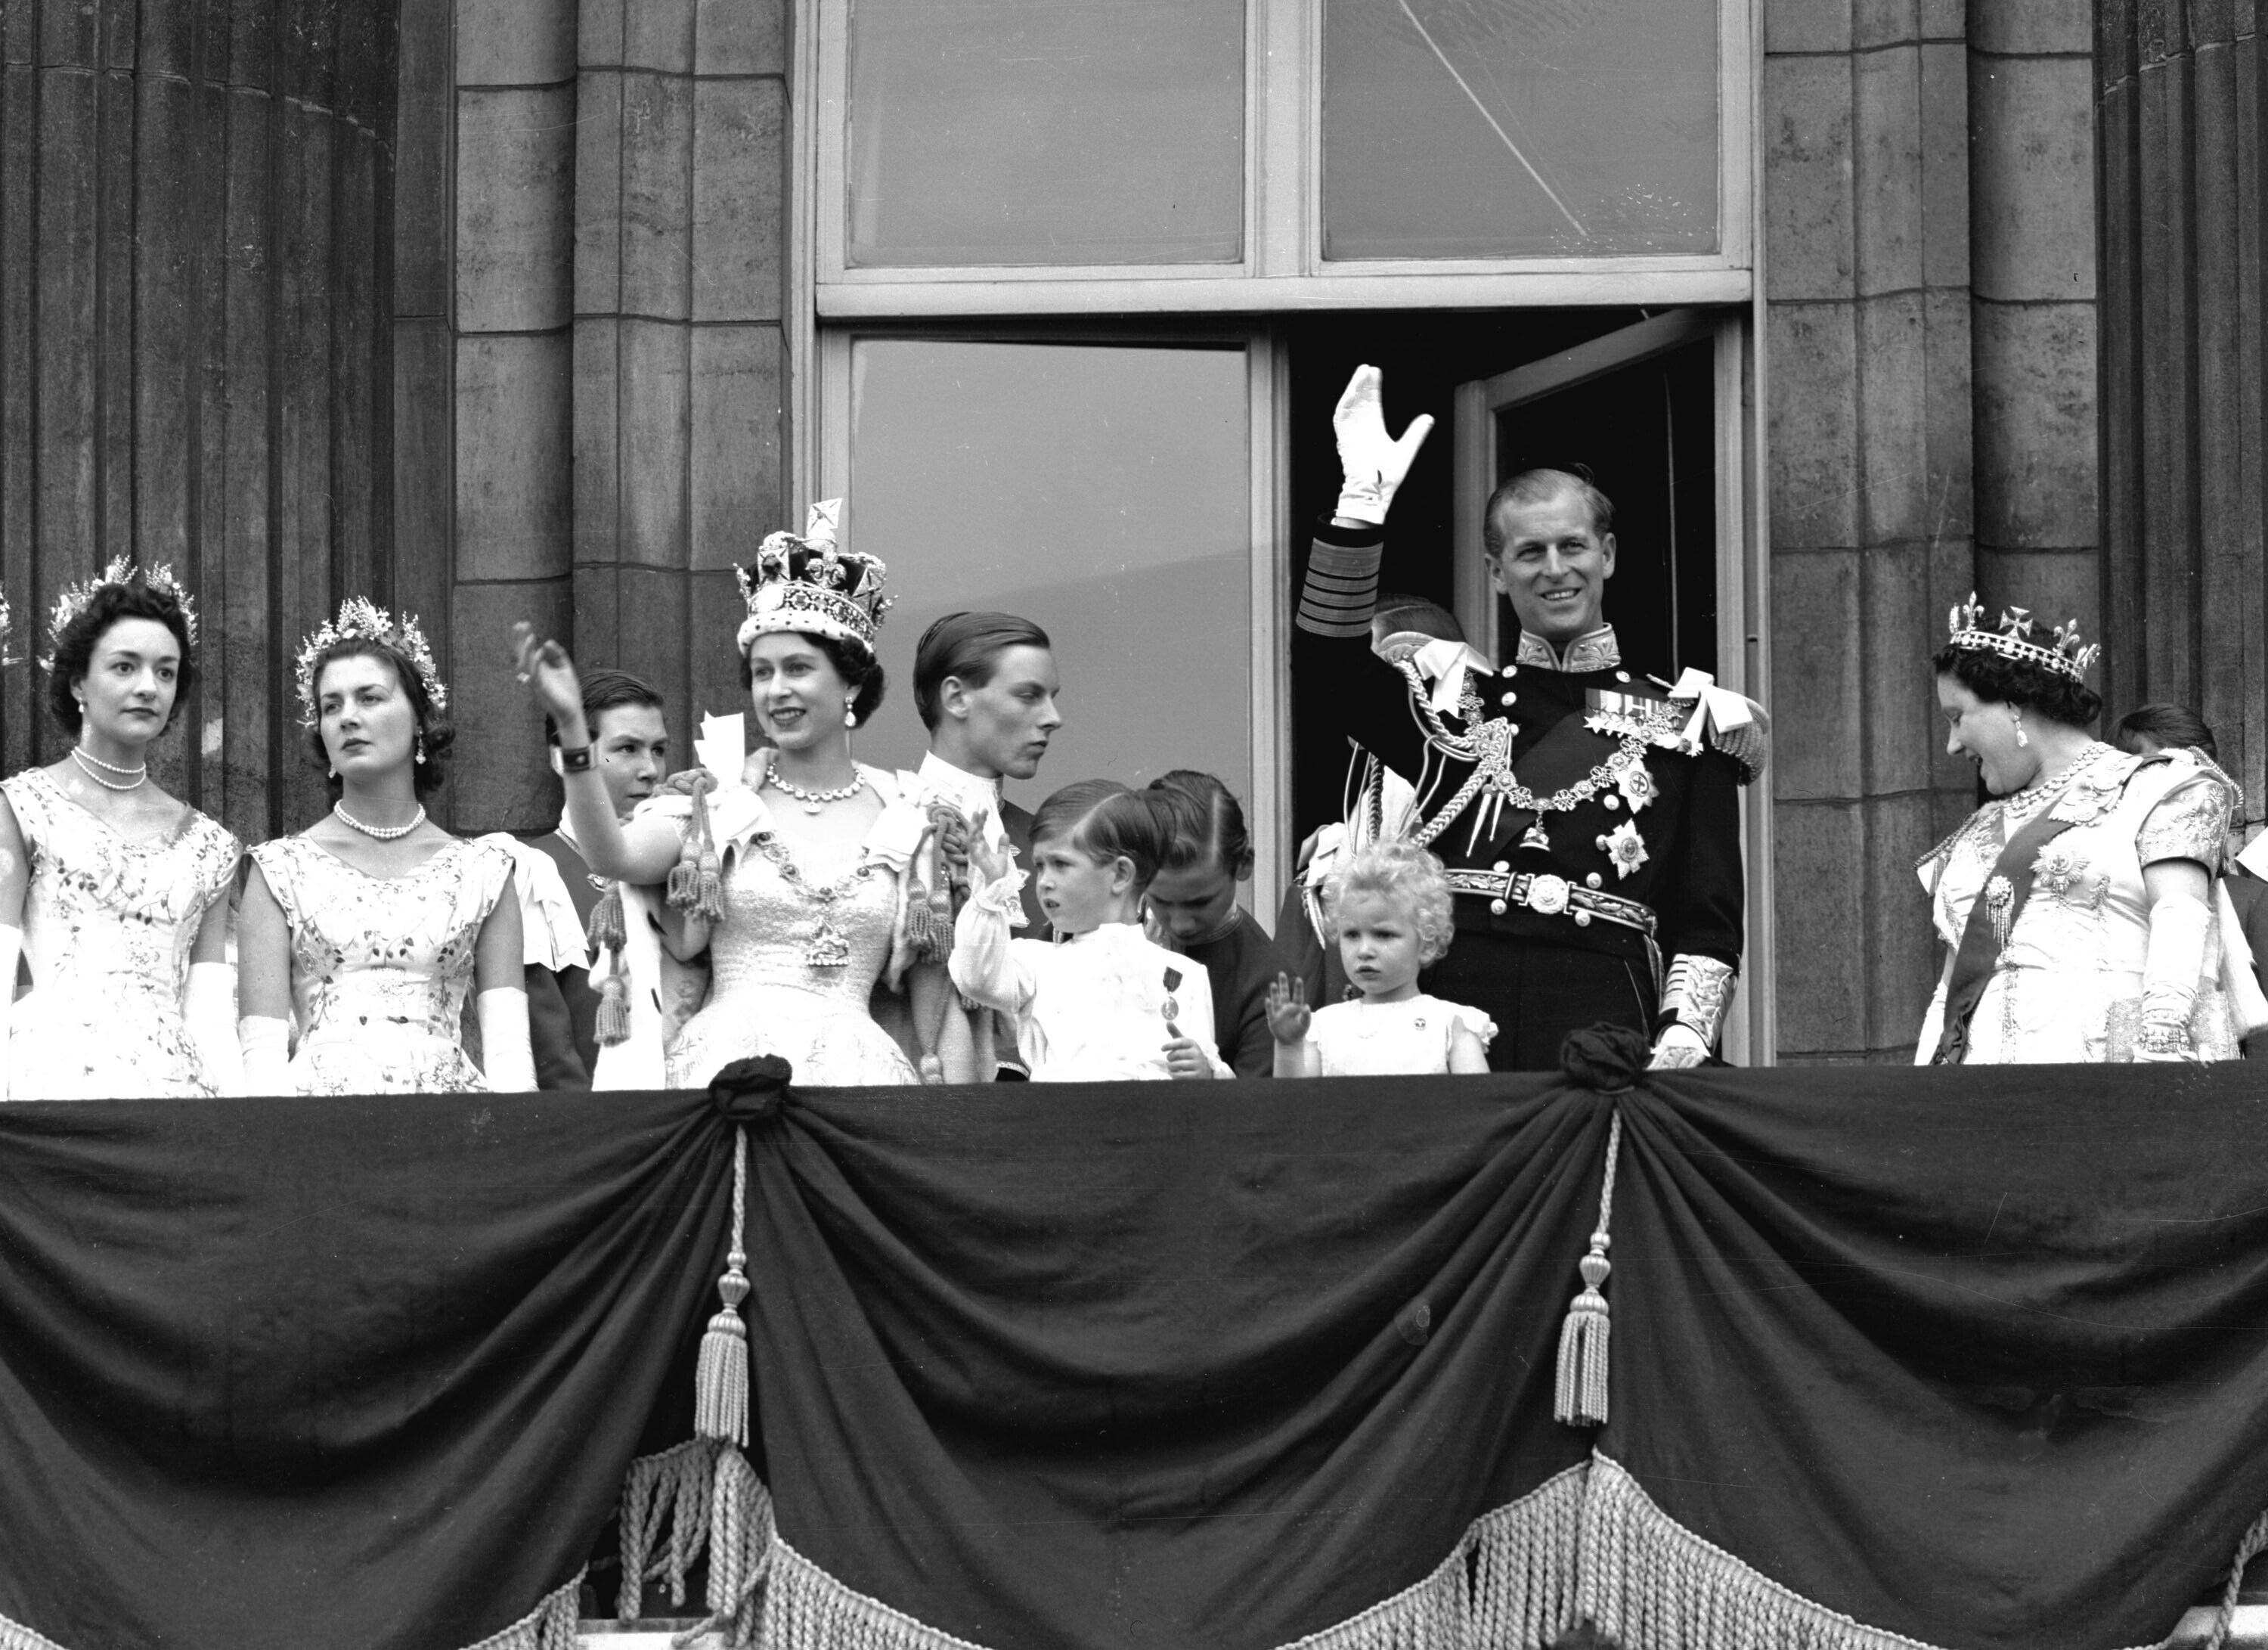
pixel 1004 897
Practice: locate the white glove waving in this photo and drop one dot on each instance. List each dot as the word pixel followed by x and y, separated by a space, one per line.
pixel 1371 463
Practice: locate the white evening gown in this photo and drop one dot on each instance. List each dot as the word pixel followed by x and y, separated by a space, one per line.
pixel 108 927
pixel 381 966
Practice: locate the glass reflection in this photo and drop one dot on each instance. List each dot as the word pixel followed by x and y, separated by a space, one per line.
pixel 1472 129
pixel 1045 132
pixel 1102 491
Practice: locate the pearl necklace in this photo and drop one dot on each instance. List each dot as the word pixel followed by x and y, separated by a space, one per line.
pixel 813 801
pixel 383 833
pixel 88 764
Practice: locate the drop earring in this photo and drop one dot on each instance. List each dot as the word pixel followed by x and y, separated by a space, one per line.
pixel 421 747
pixel 2016 715
pixel 850 711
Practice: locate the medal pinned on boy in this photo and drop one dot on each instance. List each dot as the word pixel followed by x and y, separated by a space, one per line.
pixel 1171 1008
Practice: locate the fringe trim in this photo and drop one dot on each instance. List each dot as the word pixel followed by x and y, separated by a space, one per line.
pixel 710 1500
pixel 1509 1583
pixel 551 1626
pixel 1648 1583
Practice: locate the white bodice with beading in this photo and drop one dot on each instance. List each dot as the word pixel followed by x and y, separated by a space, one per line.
pixel 2068 988
pixel 807 931
pixel 108 927
pixel 381 966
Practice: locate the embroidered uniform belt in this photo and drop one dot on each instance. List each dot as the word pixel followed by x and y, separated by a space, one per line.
pixel 1549 896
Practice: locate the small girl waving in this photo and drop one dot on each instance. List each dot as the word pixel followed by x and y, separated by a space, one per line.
pixel 1102 1002
pixel 1390 908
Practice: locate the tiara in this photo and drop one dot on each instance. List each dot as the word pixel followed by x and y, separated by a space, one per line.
pixel 361 619
pixel 808 584
pixel 76 598
pixel 2063 653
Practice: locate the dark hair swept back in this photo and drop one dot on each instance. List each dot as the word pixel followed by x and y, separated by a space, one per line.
pixel 1997 679
pixel 967 646
pixel 75 648
pixel 2175 726
pixel 425 776
pixel 853 661
pixel 606 690
pixel 1204 821
pixel 1104 820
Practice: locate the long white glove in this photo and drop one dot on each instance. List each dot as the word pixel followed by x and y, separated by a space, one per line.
pixel 2170 969
pixel 1371 463
pixel 505 1053
pixel 209 1008
pixel 11 946
pixel 267 1043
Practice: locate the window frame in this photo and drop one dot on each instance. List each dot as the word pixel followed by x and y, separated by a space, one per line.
pixel 1282 267
pixel 1269 562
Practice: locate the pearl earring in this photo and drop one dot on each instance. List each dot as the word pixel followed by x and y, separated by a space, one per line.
pixel 421 747
pixel 850 712
pixel 2016 715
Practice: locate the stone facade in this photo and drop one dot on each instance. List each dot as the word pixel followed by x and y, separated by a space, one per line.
pixel 539 371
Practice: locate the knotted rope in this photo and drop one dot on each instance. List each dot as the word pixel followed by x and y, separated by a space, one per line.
pixel 1608 1059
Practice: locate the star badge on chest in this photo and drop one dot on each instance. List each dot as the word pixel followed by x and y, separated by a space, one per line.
pixel 1624 847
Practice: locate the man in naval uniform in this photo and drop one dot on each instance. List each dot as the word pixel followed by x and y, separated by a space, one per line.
pixel 1589 818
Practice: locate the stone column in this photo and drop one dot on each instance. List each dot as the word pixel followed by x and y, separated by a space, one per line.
pixel 2032 182
pixel 1866 211
pixel 678 365
pixel 194 354
pixel 2184 591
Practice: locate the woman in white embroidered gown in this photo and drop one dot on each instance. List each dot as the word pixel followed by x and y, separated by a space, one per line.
pixel 2078 906
pixel 803 853
pixel 115 894
pixel 365 931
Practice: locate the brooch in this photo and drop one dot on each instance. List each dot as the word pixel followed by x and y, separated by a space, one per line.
pixel 1624 847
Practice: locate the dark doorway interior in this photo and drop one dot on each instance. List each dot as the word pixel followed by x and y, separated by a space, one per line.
pixel 1647 433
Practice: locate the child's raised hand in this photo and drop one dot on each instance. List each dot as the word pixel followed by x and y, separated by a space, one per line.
pixel 1186 1058
pixel 989 864
pixel 1288 1014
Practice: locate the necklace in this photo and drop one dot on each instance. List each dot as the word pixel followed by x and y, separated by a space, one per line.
pixel 813 801
pixel 827 948
pixel 88 764
pixel 383 833
pixel 2023 804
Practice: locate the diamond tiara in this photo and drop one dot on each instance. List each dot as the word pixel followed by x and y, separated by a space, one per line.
pixel 75 597
pixel 2063 653
pixel 808 584
pixel 361 619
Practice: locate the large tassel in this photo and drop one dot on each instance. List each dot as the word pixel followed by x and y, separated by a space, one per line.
pixel 614 1015
pixel 606 929
pixel 1581 1397
pixel 721 1383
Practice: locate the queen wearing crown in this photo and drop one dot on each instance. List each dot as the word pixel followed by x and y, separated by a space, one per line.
pixel 113 892
pixel 363 935
pixel 791 869
pixel 2078 906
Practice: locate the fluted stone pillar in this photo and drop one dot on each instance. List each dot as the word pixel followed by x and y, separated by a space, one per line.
pixel 2185 589
pixel 194 349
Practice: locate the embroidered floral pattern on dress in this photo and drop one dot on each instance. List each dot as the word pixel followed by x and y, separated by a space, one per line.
pixel 381 966
pixel 108 927
pixel 2190 823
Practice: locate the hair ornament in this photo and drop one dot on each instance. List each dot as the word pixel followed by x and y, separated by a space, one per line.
pixel 76 597
pixel 360 619
pixel 2063 653
pixel 812 584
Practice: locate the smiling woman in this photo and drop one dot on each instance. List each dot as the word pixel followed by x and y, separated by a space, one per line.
pixel 787 871
pixel 2077 906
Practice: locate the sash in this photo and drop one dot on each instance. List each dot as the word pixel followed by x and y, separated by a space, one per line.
pixel 1991 919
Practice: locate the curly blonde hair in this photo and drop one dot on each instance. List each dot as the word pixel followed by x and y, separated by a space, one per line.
pixel 1411 878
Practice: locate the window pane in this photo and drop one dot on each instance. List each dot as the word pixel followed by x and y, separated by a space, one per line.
pixel 1103 492
pixel 1471 128
pixel 1045 132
